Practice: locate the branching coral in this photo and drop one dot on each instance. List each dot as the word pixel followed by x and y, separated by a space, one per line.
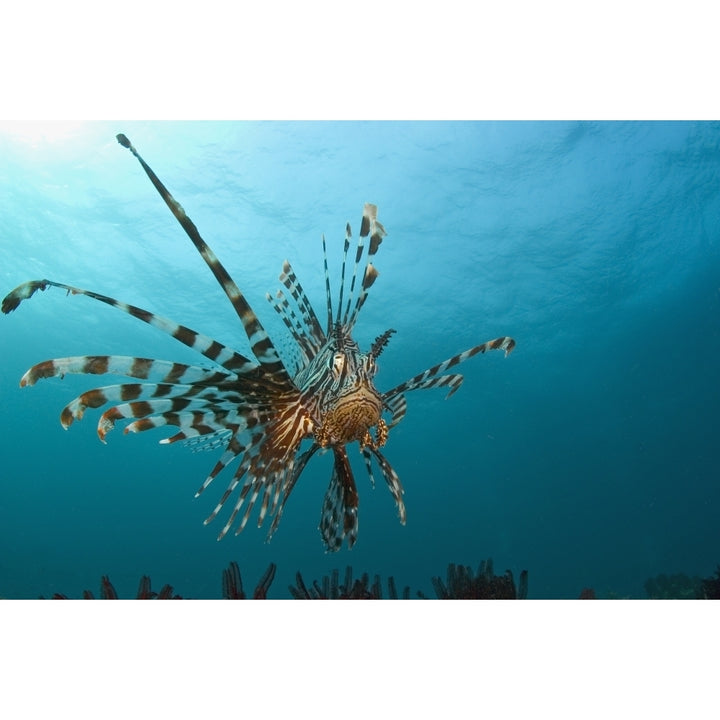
pixel 463 584
pixel 710 587
pixel 232 583
pixel 330 588
pixel 673 587
pixel 232 588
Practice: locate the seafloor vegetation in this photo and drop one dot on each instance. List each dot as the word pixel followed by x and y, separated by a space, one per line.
pixel 460 583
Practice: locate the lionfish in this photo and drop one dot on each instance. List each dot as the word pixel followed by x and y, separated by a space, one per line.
pixel 261 410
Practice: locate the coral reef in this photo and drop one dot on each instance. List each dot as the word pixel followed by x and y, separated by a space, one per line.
pixel 463 584
pixel 673 587
pixel 108 592
pixel 710 587
pixel 330 588
pixel 232 588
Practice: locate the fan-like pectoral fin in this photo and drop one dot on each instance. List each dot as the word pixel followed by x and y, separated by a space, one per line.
pixel 433 377
pixel 339 512
pixel 193 416
pixel 131 391
pixel 205 345
pixel 260 341
pixel 161 371
pixel 393 482
pixel 300 463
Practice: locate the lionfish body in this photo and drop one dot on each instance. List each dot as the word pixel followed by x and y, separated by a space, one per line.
pixel 260 411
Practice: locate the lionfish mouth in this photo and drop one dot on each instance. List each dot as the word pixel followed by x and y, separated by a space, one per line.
pixel 350 419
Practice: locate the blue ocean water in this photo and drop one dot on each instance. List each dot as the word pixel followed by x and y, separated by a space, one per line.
pixel 588 457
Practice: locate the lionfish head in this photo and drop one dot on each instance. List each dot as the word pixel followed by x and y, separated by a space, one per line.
pixel 351 406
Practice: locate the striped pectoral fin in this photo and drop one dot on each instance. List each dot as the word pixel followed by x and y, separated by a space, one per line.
pixel 367 457
pixel 233 450
pixel 393 482
pixel 268 460
pixel 234 482
pixel 339 519
pixel 260 342
pixel 298 467
pixel 312 324
pixel 369 226
pixel 126 392
pixel 272 489
pixel 211 349
pixel 163 371
pixel 267 463
pixel 211 422
pixel 255 481
pixel 397 405
pixel 269 470
pixel 157 412
pixel 306 345
pixel 193 425
pixel 433 376
pixel 208 442
pixel 251 468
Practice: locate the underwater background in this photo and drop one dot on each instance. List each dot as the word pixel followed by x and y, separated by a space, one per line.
pixel 588 457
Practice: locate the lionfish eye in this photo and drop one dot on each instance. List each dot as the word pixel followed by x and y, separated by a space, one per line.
pixel 338 363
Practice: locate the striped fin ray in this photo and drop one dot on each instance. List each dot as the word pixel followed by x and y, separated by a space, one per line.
pixel 397 405
pixel 452 381
pixel 306 345
pixel 312 324
pixel 270 471
pixel 377 233
pixel 223 411
pixel 163 371
pixel 328 296
pixel 209 441
pixel 249 452
pixel 367 456
pixel 137 391
pixel 258 479
pixel 339 518
pixel 205 345
pixel 346 246
pixel 273 489
pixel 199 417
pixel 253 483
pixel 364 232
pixel 232 451
pixel 428 378
pixel 180 411
pixel 393 482
pixel 192 425
pixel 260 342
pixel 299 466
pixel 267 464
pixel 234 482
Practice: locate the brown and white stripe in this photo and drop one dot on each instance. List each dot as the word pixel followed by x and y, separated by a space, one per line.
pixel 257 410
